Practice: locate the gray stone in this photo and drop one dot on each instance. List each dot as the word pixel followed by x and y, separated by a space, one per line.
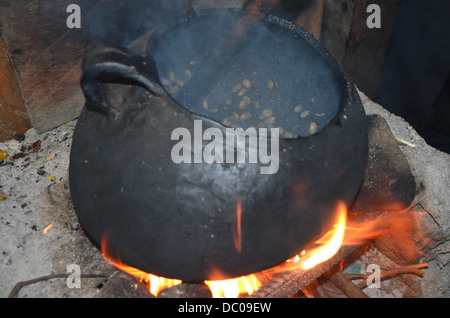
pixel 388 183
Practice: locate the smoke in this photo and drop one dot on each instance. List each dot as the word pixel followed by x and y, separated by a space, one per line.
pixel 119 22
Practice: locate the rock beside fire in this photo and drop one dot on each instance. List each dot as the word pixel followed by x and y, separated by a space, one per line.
pixel 431 228
pixel 388 183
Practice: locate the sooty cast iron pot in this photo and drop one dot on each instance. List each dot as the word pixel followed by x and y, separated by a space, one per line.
pixel 181 220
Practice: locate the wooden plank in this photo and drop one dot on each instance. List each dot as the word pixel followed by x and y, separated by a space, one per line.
pixel 13 115
pixel 209 4
pixel 47 56
pixel 311 18
pixel 367 48
pixel 361 50
pixel 336 24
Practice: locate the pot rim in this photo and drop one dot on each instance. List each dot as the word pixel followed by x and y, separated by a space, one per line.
pixel 345 85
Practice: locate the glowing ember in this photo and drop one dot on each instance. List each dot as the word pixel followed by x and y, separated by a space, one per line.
pixel 238 236
pixel 47 228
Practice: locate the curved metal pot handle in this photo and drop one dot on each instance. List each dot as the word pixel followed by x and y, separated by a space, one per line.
pixel 112 64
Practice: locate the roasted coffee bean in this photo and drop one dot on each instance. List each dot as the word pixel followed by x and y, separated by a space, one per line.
pixel 242 92
pixel 270 120
pixel 237 88
pixel 245 116
pixel 174 89
pixel 247 84
pixel 267 112
pixel 312 128
pixel 179 83
pixel 305 114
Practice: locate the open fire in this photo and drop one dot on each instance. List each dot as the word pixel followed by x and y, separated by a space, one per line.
pixel 346 231
pixel 233 288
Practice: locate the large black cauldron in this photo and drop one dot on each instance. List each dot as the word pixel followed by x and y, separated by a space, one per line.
pixel 182 220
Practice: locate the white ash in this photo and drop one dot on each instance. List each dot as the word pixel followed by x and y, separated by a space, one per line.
pixel 33 202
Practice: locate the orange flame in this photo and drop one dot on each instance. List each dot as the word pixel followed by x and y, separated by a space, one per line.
pixel 404 239
pixel 156 284
pixel 238 236
pixel 329 245
pixel 343 233
pixel 230 288
pixel 233 288
pixel 332 246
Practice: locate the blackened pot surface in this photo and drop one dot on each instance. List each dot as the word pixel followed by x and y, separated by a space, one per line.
pixel 180 220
